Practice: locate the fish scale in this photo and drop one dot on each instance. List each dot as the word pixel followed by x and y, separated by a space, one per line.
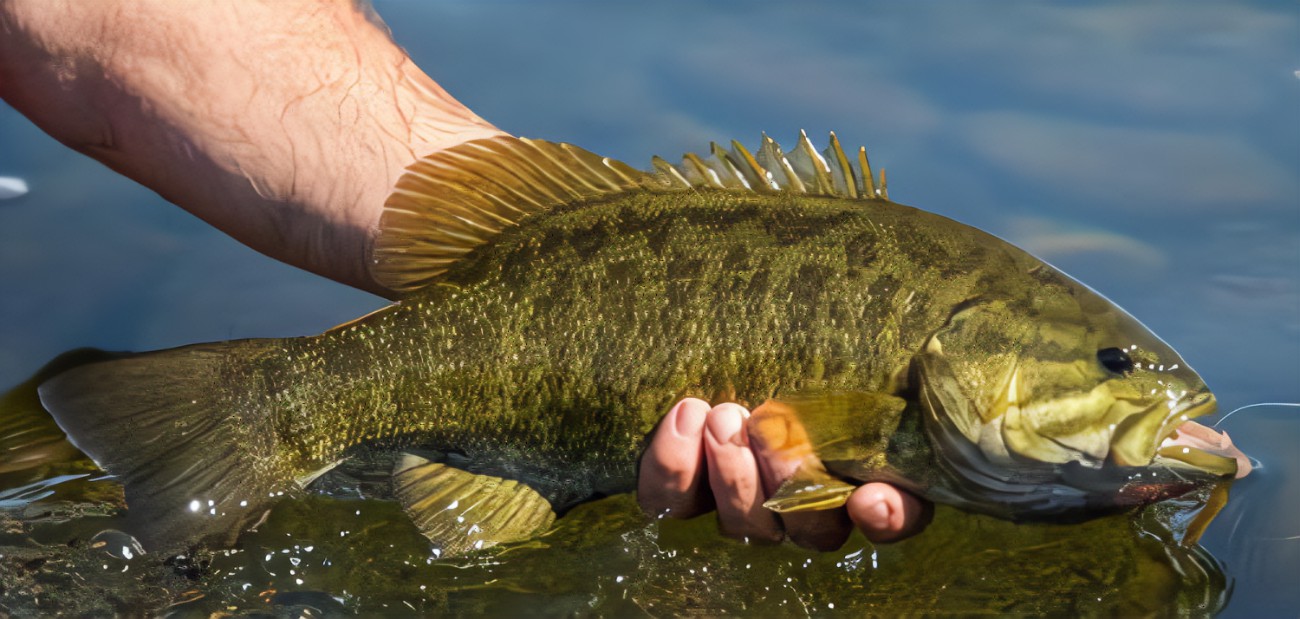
pixel 599 380
pixel 555 303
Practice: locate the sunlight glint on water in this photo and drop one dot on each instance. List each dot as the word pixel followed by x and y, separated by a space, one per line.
pixel 1086 132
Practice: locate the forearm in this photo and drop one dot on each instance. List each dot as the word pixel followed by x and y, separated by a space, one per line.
pixel 284 123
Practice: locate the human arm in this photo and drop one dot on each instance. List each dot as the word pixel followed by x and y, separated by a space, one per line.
pixel 283 123
pixel 286 124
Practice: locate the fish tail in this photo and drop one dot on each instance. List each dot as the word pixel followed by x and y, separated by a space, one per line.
pixel 187 431
pixel 30 441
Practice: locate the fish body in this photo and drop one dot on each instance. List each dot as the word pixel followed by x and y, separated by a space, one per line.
pixel 565 341
pixel 543 335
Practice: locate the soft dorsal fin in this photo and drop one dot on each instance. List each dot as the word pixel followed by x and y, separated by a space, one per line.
pixel 802 170
pixel 452 201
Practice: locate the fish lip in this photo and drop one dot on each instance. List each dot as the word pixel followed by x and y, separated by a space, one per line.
pixel 1200 405
pixel 1189 446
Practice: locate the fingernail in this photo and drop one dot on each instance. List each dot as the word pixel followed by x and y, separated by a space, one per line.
pixel 689 416
pixel 880 514
pixel 725 424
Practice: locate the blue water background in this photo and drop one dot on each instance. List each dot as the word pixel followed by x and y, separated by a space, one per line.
pixel 1150 150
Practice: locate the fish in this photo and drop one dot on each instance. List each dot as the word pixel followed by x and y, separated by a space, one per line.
pixel 552 304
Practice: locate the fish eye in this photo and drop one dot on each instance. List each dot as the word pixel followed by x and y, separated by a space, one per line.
pixel 1115 360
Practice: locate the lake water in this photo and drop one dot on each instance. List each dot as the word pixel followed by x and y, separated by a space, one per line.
pixel 1150 150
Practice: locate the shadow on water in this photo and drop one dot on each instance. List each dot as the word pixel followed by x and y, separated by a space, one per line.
pixel 340 552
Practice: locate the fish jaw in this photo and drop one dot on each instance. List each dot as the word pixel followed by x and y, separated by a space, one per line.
pixel 1022 488
pixel 1180 444
pixel 1188 456
pixel 1202 448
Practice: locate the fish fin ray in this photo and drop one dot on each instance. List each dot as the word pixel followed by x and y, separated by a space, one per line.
pixel 187 447
pixel 811 488
pixel 29 436
pixel 801 171
pixel 456 199
pixel 844 425
pixel 461 511
pixel 847 432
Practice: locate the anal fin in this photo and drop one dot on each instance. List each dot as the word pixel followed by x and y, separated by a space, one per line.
pixel 461 511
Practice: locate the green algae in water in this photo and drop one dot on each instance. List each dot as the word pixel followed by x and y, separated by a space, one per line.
pixel 339 556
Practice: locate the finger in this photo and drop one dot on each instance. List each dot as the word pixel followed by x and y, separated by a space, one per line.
pixel 781 446
pixel 734 479
pixel 823 530
pixel 886 514
pixel 672 475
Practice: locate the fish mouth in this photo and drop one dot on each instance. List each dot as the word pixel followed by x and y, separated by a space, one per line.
pixel 1192 447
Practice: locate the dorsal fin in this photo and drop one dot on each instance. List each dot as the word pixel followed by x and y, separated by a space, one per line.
pixel 452 201
pixel 802 170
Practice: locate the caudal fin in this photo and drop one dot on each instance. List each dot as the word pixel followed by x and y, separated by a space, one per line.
pixel 187 433
pixel 30 441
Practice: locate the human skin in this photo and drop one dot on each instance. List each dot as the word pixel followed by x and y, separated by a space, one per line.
pixel 283 123
pixel 286 123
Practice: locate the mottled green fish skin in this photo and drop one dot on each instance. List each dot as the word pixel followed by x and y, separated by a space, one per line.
pixel 562 342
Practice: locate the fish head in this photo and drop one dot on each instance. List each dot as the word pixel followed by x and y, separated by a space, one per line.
pixel 1056 402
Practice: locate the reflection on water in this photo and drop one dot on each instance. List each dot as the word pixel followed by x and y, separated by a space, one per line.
pixel 1257 536
pixel 1088 130
pixel 340 551
pixel 11 187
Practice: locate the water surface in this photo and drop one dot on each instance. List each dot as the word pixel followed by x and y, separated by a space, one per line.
pixel 1152 151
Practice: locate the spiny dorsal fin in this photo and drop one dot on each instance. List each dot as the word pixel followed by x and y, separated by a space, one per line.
pixel 802 170
pixel 452 201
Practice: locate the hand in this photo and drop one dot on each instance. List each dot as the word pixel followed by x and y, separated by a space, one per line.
pixel 703 457
pixel 285 124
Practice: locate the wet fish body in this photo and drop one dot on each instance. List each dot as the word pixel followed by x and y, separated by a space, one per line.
pixel 557 303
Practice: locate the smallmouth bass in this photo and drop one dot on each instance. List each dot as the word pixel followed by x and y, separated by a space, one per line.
pixel 556 303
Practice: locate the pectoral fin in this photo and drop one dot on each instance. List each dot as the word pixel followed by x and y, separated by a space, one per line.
pixel 850 430
pixel 811 488
pixel 843 425
pixel 29 436
pixel 460 511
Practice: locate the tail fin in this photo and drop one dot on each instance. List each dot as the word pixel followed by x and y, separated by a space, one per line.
pixel 30 441
pixel 186 431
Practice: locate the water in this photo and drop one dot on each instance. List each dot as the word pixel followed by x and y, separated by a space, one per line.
pixel 12 187
pixel 1152 151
